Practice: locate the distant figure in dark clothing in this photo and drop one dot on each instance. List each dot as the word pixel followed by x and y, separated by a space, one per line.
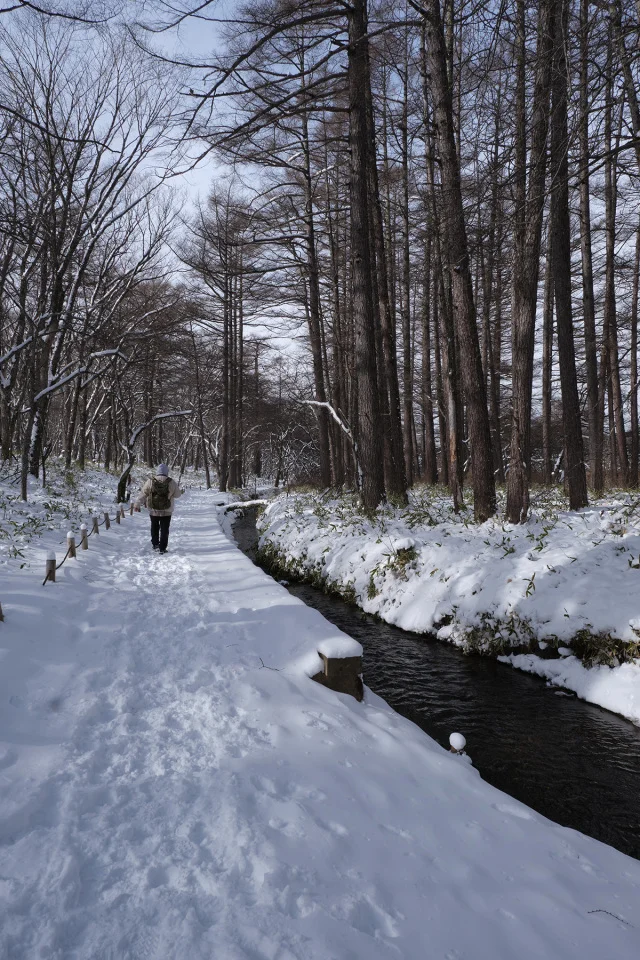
pixel 157 495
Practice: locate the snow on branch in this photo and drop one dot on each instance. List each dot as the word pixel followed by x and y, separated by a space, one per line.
pixel 346 430
pixel 16 349
pixel 116 352
pixel 159 416
pixel 336 416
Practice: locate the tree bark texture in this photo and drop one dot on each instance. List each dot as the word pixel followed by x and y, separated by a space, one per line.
pixel 526 261
pixel 369 437
pixel 575 473
pixel 458 261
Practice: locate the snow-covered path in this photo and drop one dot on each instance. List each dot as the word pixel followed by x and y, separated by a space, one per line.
pixel 173 786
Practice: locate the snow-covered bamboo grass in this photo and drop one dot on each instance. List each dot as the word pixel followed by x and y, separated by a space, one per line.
pixel 559 595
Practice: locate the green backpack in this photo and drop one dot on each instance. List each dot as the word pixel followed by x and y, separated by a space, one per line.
pixel 160 499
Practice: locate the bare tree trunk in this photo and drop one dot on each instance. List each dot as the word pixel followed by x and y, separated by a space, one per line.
pixel 338 386
pixel 495 358
pixel 239 411
pixel 369 438
pixel 315 319
pixel 203 439
pixel 82 442
pixel 448 381
pixel 440 392
pixel 430 462
pixel 233 369
pixel 526 263
pixel 603 383
pixel 633 466
pixel 383 396
pixel 71 427
pixel 547 361
pixel 458 259
pixel 452 404
pixel 615 13
pixel 613 456
pixel 561 261
pixel 610 309
pixel 108 438
pixel 6 431
pixel 396 479
pixel 407 379
pixel 226 324
pixel 588 307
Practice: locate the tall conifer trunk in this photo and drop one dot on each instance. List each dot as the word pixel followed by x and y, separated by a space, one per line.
pixel 369 435
pixel 526 259
pixel 575 475
pixel 588 305
pixel 459 268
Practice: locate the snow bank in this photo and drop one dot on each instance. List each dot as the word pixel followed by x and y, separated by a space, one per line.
pixel 562 579
pixel 173 785
pixel 615 689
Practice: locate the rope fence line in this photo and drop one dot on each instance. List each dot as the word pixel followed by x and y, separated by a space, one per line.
pixel 52 566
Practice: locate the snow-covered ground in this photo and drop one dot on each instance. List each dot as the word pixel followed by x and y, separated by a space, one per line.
pixel 66 500
pixel 561 584
pixel 172 785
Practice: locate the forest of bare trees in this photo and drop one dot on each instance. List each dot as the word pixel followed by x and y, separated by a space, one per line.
pixel 418 259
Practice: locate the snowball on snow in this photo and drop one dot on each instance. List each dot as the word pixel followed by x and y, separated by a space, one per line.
pixel 457 741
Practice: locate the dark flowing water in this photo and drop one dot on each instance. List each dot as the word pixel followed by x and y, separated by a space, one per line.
pixel 572 761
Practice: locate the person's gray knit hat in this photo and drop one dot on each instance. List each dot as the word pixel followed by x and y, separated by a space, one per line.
pixel 163 470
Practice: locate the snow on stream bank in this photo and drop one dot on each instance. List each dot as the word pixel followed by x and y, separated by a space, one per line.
pixel 561 584
pixel 173 785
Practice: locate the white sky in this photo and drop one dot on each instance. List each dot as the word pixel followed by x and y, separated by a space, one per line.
pixel 197 40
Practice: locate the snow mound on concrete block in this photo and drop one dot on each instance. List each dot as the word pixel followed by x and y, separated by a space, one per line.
pixel 340 646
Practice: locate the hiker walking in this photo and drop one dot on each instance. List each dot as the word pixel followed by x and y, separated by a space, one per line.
pixel 158 494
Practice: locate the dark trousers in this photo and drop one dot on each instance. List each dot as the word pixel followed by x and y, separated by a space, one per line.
pixel 160 531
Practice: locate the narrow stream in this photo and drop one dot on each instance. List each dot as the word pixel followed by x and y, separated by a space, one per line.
pixel 570 760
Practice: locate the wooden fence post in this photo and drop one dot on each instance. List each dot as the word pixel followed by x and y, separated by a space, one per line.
pixel 71 545
pixel 96 526
pixel 84 540
pixel 1 614
pixel 117 516
pixel 107 522
pixel 122 510
pixel 51 568
pixel 131 509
